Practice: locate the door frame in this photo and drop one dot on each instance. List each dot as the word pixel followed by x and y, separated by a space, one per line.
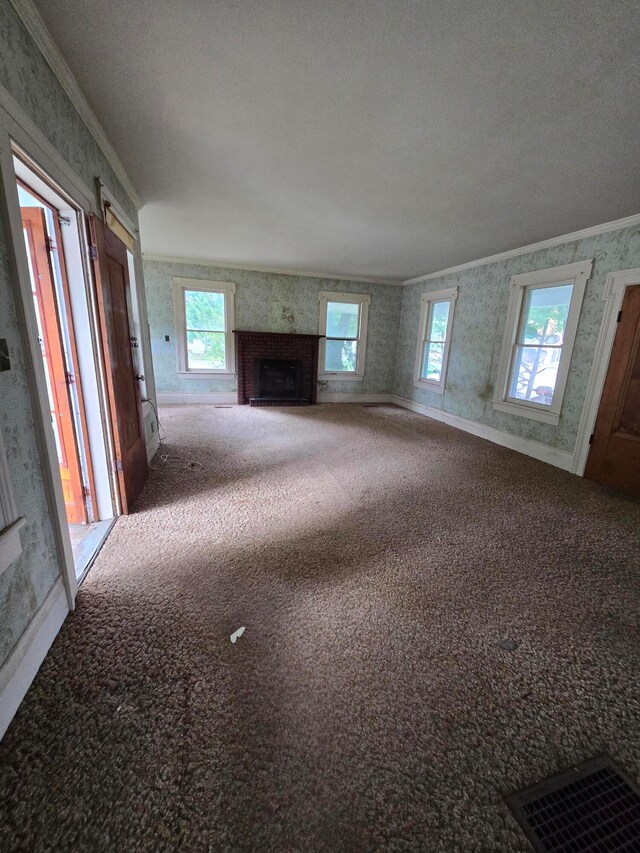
pixel 18 131
pixel 613 296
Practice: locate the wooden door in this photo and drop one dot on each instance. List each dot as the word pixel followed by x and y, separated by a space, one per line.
pixel 614 458
pixel 58 373
pixel 112 286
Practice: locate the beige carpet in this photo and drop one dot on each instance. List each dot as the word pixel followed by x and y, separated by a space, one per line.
pixel 377 560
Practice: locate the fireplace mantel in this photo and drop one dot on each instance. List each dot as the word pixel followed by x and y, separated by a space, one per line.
pixel 254 347
pixel 240 332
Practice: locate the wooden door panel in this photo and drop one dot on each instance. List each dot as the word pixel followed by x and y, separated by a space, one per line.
pixel 112 286
pixel 614 458
pixel 53 354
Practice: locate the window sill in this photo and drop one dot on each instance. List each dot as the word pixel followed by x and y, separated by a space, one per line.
pixel 204 374
pixel 339 377
pixel 524 411
pixel 10 544
pixel 434 387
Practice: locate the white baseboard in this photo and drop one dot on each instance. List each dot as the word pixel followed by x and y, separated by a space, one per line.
pixel 353 398
pixel 20 668
pixel 152 446
pixel 206 398
pixel 559 458
pixel 226 398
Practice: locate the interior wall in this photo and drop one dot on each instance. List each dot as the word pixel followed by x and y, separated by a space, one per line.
pixel 27 77
pixel 479 325
pixel 25 584
pixel 272 303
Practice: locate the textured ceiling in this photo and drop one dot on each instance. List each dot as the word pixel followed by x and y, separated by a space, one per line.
pixel 367 138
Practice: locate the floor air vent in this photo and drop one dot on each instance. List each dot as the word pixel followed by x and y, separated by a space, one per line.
pixel 593 806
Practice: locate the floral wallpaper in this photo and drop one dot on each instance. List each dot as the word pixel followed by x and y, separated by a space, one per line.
pixel 273 303
pixel 478 328
pixel 28 78
pixel 25 584
pixel 26 75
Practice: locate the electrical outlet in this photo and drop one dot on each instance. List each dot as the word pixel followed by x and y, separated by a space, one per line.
pixel 5 361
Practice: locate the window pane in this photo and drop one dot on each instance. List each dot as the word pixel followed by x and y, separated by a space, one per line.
pixel 439 318
pixel 204 311
pixel 544 315
pixel 432 362
pixel 341 356
pixel 534 374
pixel 342 319
pixel 205 350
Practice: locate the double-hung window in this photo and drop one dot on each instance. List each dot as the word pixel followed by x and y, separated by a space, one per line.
pixel 434 339
pixel 204 320
pixel 343 325
pixel 542 319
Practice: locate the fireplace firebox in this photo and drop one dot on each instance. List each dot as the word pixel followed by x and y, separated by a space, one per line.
pixel 279 379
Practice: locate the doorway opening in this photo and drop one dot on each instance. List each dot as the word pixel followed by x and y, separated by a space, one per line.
pixel 53 230
pixel 614 452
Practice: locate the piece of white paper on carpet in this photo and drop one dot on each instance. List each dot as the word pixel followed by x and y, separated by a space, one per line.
pixel 237 634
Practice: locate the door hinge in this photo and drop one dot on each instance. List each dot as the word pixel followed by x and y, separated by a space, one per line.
pixel 93 253
pixel 117 465
pixel 70 378
pixel 86 492
pixel 51 246
pixel 619 316
pixel 591 437
pixel 64 220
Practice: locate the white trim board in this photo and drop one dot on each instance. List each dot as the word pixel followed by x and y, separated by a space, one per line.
pixel 345 397
pixel 20 668
pixel 203 262
pixel 37 29
pixel 559 458
pixel 27 323
pixel 613 296
pixel 204 398
pixel 27 135
pixel 226 398
pixel 593 231
pixel 153 446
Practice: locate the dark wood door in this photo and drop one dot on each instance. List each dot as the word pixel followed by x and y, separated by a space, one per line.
pixel 614 458
pixel 59 372
pixel 112 285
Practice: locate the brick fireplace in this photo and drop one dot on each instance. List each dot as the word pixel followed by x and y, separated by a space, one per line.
pixel 276 368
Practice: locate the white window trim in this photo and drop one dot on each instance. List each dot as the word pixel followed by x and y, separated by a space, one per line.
pixel 326 296
pixel 10 522
pixel 449 296
pixel 229 290
pixel 576 274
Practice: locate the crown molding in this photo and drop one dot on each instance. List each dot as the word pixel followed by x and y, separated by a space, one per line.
pixel 202 262
pixel 37 29
pixel 593 231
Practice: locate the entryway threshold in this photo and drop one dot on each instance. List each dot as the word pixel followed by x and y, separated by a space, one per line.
pixel 87 543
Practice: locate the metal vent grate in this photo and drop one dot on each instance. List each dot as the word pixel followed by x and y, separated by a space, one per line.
pixel 593 806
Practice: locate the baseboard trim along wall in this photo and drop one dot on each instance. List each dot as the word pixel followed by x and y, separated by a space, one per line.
pixel 559 458
pixel 153 446
pixel 226 398
pixel 543 452
pixel 20 668
pixel 206 398
pixel 352 398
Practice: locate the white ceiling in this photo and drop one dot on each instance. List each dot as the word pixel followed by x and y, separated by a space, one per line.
pixel 376 138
